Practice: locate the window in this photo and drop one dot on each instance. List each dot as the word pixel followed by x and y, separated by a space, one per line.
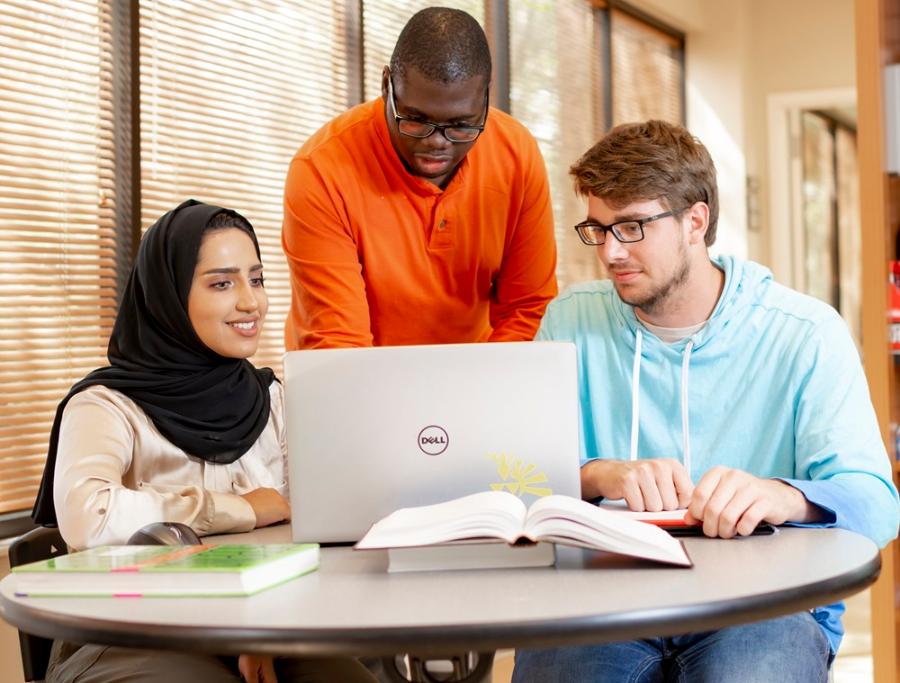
pixel 647 70
pixel 554 90
pixel 577 68
pixel 58 237
pixel 382 22
pixel 115 112
pixel 229 91
pixel 830 207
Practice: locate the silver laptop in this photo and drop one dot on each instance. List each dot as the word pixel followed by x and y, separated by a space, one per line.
pixel 371 430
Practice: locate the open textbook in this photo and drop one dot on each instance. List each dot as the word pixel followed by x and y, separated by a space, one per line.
pixel 499 515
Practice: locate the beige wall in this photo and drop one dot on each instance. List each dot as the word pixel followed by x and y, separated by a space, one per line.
pixel 739 52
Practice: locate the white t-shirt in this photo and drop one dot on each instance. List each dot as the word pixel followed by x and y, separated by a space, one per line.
pixel 671 335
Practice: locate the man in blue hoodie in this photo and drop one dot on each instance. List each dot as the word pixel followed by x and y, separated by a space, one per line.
pixel 707 385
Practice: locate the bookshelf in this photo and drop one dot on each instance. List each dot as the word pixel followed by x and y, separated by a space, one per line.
pixel 877 44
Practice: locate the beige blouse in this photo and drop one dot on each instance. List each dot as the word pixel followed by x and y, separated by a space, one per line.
pixel 116 473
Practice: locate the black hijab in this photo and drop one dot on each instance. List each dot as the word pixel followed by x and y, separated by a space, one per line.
pixel 212 407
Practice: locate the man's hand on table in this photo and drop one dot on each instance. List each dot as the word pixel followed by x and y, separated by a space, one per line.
pixel 727 502
pixel 646 485
pixel 732 502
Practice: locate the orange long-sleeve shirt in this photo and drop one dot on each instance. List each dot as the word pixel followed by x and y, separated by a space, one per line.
pixel 381 257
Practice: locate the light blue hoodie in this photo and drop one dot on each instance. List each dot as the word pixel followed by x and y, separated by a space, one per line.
pixel 771 385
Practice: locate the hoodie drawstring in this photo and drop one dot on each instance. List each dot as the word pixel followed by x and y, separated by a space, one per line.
pixel 635 394
pixel 635 401
pixel 685 427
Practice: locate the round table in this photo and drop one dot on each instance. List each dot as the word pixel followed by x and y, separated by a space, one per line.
pixel 352 606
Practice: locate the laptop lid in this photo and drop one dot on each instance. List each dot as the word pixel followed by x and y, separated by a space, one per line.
pixel 371 430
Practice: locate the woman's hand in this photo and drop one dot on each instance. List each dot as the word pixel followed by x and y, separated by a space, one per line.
pixel 269 506
pixel 257 668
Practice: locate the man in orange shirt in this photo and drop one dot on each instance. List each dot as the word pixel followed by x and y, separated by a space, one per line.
pixel 422 217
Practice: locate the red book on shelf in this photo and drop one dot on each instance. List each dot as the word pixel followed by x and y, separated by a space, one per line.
pixel 894 306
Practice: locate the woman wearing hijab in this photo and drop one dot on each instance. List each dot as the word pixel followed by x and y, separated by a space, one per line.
pixel 180 427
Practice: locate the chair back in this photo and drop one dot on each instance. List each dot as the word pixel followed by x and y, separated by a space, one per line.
pixel 38 544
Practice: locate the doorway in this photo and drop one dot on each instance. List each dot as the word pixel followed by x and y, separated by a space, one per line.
pixel 814 198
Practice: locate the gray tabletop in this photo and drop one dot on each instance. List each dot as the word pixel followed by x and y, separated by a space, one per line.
pixel 353 606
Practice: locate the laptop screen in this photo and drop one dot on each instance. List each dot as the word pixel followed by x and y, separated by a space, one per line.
pixel 374 429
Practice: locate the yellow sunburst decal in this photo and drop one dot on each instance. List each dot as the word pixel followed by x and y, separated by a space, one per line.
pixel 518 477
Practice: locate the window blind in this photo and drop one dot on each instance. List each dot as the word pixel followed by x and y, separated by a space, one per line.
pixel 57 232
pixel 555 79
pixel 647 75
pixel 849 230
pixel 830 213
pixel 229 91
pixel 382 22
pixel 819 220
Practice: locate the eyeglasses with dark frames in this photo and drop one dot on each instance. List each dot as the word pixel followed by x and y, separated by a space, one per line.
pixel 594 234
pixel 415 128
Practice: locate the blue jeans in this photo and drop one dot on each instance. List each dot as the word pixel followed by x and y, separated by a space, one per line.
pixel 788 649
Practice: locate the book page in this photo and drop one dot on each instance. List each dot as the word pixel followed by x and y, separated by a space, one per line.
pixel 568 520
pixel 587 515
pixel 489 514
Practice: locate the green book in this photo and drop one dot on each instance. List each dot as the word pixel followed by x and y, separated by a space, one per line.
pixel 167 571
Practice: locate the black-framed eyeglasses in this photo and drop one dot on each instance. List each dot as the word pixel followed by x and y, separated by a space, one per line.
pixel 415 128
pixel 594 233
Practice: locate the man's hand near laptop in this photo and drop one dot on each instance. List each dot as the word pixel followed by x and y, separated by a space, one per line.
pixel 646 485
pixel 727 502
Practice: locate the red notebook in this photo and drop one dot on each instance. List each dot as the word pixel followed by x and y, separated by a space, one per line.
pixel 666 518
pixel 671 520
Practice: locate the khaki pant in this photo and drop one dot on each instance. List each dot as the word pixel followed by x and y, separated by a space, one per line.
pixel 104 664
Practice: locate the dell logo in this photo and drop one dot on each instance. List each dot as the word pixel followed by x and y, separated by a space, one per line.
pixel 433 440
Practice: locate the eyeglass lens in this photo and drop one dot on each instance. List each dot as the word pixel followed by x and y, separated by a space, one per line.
pixel 624 232
pixel 418 129
pixel 422 129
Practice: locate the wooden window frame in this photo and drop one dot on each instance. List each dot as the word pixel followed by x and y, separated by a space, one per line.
pixel 603 10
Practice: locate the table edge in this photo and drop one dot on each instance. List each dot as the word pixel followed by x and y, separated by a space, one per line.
pixel 444 639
